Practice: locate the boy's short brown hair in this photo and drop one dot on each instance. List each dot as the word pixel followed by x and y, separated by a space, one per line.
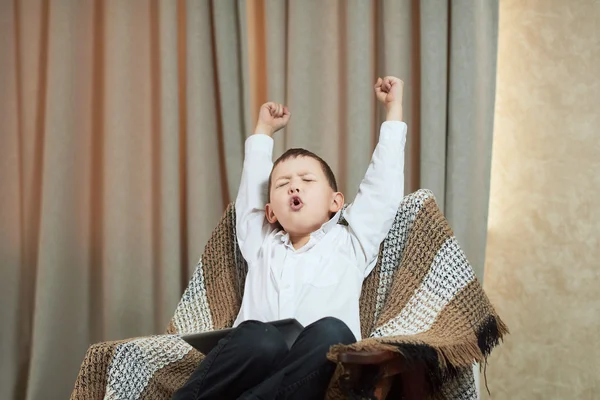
pixel 298 152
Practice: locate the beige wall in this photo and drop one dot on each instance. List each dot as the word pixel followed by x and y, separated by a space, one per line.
pixel 543 255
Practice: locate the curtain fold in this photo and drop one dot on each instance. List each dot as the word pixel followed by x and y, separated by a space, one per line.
pixel 13 268
pixel 122 127
pixel 471 96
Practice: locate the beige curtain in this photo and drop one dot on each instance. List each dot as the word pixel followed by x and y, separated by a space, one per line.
pixel 121 141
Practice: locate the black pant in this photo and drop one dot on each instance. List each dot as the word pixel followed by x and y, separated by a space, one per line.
pixel 253 362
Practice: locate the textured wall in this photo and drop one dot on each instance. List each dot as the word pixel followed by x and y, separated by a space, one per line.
pixel 543 255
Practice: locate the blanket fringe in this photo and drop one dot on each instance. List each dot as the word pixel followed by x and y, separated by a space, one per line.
pixel 445 356
pixel 490 333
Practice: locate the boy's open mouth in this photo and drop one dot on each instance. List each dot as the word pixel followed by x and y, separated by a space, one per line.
pixel 296 203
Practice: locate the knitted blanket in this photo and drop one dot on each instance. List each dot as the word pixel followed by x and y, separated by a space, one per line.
pixel 422 300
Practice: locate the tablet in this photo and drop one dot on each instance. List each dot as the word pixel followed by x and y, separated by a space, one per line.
pixel 206 341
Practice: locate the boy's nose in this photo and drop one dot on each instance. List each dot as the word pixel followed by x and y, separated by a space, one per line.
pixel 293 189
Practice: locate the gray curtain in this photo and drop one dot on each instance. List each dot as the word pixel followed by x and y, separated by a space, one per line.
pixel 121 141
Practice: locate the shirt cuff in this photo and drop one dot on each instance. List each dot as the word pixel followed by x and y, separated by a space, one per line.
pixel 393 132
pixel 259 144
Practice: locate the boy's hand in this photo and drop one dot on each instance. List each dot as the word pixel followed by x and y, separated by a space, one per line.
pixel 271 118
pixel 389 91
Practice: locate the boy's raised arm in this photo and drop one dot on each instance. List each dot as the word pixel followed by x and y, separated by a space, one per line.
pixel 372 213
pixel 251 225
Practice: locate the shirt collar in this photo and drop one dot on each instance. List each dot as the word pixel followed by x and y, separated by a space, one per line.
pixel 315 237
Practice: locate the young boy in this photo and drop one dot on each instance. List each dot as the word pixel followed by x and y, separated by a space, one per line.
pixel 301 263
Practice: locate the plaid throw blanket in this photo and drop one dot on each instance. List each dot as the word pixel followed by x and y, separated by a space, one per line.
pixel 421 300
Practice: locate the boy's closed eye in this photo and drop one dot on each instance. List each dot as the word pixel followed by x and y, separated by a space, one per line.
pixel 284 181
pixel 308 177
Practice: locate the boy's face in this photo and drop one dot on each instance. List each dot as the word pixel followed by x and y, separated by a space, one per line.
pixel 301 198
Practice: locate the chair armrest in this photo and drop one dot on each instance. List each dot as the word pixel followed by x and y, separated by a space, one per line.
pixel 367 357
pixel 388 362
pixel 383 368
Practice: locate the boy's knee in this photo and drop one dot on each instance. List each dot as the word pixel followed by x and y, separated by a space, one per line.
pixel 332 330
pixel 263 342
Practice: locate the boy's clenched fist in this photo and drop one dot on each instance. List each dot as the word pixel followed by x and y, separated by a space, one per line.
pixel 389 91
pixel 271 118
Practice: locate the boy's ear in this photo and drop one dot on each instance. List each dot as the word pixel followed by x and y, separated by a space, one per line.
pixel 269 214
pixel 337 202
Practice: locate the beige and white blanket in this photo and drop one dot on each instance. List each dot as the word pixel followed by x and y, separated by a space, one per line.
pixel 422 300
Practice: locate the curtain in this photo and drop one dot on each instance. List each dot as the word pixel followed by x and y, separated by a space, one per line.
pixel 122 127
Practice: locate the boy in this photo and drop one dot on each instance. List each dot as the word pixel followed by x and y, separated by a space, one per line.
pixel 301 263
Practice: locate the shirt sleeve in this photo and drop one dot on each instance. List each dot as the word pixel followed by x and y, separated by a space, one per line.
pixel 380 193
pixel 251 224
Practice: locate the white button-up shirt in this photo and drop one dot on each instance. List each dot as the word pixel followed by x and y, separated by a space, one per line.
pixel 324 277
